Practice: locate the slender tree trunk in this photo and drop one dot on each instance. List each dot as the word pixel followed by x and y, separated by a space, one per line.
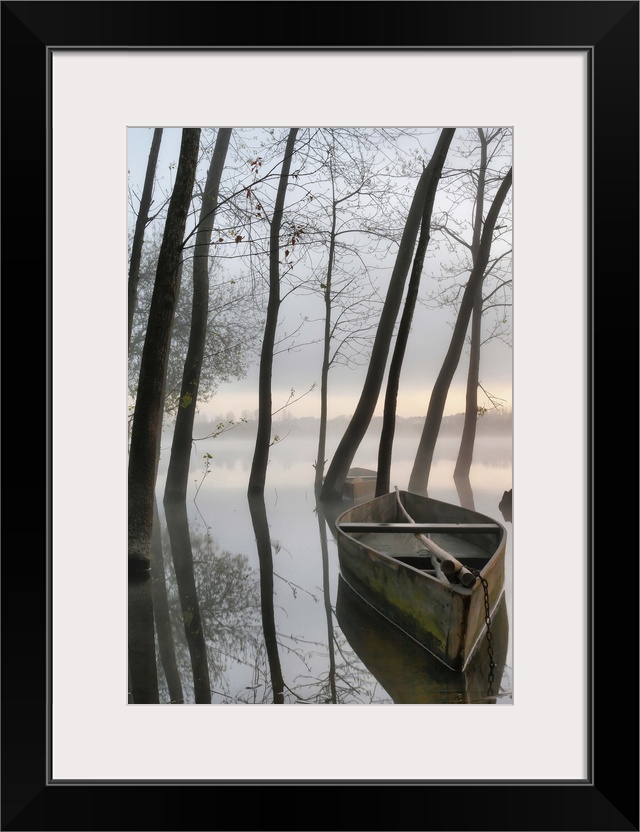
pixel 175 493
pixel 147 419
pixel 258 475
pixel 357 427
pixel 326 359
pixel 467 442
pixel 436 163
pixel 465 454
pixel 178 471
pixel 424 456
pixel 141 224
pixel 465 492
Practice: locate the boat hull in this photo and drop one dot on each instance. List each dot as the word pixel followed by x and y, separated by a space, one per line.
pixel 392 572
pixel 408 672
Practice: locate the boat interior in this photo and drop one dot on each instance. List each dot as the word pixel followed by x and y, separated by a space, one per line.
pixel 408 549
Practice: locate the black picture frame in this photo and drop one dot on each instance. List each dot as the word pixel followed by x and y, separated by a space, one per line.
pixel 608 798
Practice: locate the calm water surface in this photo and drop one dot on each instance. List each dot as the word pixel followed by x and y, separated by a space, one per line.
pixel 269 599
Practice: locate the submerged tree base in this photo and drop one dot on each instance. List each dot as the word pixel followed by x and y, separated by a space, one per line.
pixel 138 565
pixel 329 495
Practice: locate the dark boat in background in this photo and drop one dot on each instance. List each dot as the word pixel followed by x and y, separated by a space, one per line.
pixel 359 483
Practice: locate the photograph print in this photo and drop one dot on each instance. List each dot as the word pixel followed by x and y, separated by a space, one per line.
pixel 319 418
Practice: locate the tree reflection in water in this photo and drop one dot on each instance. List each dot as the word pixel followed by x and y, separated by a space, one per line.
pixel 164 632
pixel 143 679
pixel 407 671
pixel 237 618
pixel 228 603
pixel 263 541
pixel 181 551
pixel 350 655
pixel 324 548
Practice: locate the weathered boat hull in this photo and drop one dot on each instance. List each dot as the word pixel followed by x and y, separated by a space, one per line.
pixel 408 672
pixel 393 573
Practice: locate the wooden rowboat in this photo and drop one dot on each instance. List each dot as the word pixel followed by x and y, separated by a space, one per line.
pixel 431 568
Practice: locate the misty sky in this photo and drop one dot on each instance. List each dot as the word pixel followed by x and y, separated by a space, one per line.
pixel 426 349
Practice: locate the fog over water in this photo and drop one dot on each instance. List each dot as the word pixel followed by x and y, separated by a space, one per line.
pixel 307 584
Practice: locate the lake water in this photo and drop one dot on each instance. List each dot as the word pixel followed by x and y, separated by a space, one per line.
pixel 270 600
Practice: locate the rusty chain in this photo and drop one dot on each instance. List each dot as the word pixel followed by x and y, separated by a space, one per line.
pixel 487 621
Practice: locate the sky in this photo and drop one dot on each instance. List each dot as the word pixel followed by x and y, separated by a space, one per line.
pixel 300 370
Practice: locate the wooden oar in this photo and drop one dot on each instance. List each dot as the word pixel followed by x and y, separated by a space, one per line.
pixel 446 563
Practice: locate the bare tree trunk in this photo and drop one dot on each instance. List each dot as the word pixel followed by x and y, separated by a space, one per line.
pixel 147 418
pixel 178 471
pixel 258 475
pixel 385 449
pixel 326 359
pixel 465 454
pixel 175 493
pixel 465 492
pixel 141 224
pixel 467 442
pixel 357 427
pixel 424 456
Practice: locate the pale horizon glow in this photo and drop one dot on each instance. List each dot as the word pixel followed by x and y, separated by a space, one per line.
pixel 413 404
